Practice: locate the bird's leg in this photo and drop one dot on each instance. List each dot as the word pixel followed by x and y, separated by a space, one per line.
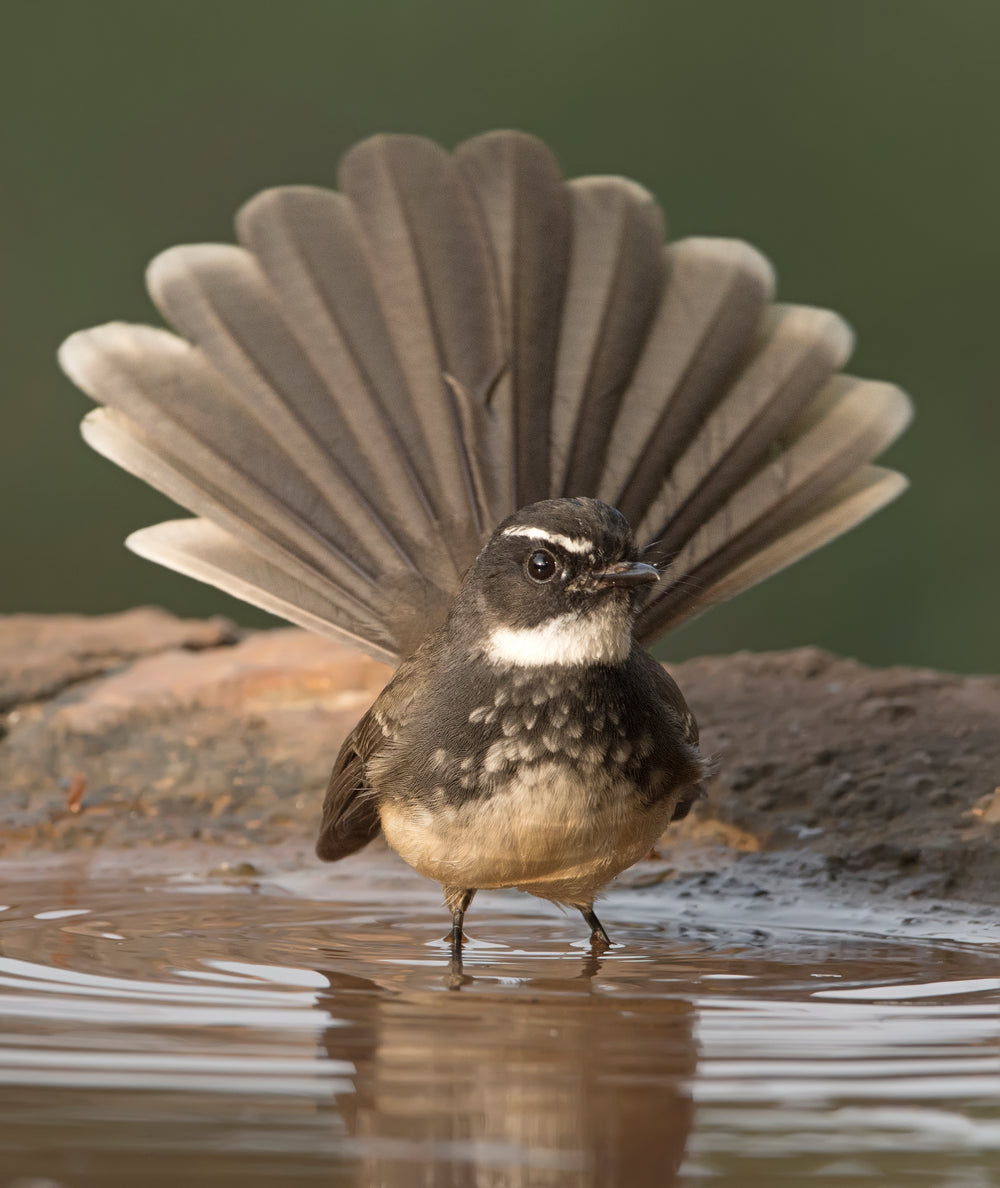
pixel 458 900
pixel 597 934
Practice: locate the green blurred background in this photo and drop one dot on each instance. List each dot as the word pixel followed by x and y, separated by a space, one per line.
pixel 854 142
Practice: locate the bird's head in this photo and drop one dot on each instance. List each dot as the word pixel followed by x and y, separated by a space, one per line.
pixel 556 584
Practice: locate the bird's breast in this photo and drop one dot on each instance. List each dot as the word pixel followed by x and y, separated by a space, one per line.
pixel 551 781
pixel 472 742
pixel 543 829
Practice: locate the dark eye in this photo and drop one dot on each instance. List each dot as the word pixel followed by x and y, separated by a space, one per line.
pixel 541 566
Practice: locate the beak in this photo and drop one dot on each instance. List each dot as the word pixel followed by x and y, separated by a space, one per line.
pixel 624 573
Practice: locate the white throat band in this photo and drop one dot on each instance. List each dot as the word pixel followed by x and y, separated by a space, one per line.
pixel 564 640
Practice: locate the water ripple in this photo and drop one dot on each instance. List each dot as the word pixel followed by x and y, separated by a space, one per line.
pixel 286 1037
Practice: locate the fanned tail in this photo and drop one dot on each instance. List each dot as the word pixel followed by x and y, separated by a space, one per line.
pixel 359 393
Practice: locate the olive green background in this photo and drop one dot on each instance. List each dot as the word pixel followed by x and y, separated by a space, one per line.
pixel 854 142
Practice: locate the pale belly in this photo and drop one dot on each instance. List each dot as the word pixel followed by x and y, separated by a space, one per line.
pixel 543 834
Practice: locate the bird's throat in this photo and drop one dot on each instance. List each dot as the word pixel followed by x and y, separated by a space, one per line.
pixel 602 636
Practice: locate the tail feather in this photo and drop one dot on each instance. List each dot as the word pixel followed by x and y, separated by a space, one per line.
pixel 860 419
pixel 120 440
pixel 527 212
pixel 204 551
pixel 615 282
pixel 858 425
pixel 218 298
pixel 798 351
pixel 308 244
pixel 716 295
pixel 377 377
pixel 183 406
pixel 434 275
pixel 847 504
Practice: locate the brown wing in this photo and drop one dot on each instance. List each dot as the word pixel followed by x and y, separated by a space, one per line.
pixel 350 808
pixel 669 691
pixel 350 814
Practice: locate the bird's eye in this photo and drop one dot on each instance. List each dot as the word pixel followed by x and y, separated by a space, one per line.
pixel 541 566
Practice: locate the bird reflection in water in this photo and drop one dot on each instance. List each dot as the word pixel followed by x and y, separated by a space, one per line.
pixel 517 1080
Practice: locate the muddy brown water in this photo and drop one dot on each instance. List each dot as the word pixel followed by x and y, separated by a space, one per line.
pixel 305 1030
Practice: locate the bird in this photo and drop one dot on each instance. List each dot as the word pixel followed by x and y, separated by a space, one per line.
pixel 528 742
pixel 492 427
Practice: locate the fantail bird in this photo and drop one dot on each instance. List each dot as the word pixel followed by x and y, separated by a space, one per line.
pixel 420 415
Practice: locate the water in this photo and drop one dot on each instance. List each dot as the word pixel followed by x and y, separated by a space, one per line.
pixel 173 1032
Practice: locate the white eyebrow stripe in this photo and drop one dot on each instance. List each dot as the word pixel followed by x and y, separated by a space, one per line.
pixel 572 544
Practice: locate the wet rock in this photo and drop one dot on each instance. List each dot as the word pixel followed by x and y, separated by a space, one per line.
pixel 142 729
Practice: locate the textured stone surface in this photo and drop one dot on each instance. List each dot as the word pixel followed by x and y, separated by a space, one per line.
pixel 231 743
pixel 894 773
pixel 141 729
pixel 41 654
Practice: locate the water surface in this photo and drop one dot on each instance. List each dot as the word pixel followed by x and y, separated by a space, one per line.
pixel 186 1032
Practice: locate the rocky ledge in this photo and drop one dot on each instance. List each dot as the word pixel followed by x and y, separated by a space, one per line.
pixel 136 731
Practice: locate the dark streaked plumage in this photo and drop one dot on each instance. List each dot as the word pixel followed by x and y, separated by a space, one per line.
pixel 530 742
pixel 359 394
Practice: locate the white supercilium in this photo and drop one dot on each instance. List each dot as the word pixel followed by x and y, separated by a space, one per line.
pixel 572 544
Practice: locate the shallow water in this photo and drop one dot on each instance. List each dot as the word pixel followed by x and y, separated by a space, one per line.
pixel 201 1032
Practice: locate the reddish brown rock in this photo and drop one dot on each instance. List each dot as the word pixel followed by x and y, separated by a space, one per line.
pixel 229 743
pixel 142 729
pixel 41 654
